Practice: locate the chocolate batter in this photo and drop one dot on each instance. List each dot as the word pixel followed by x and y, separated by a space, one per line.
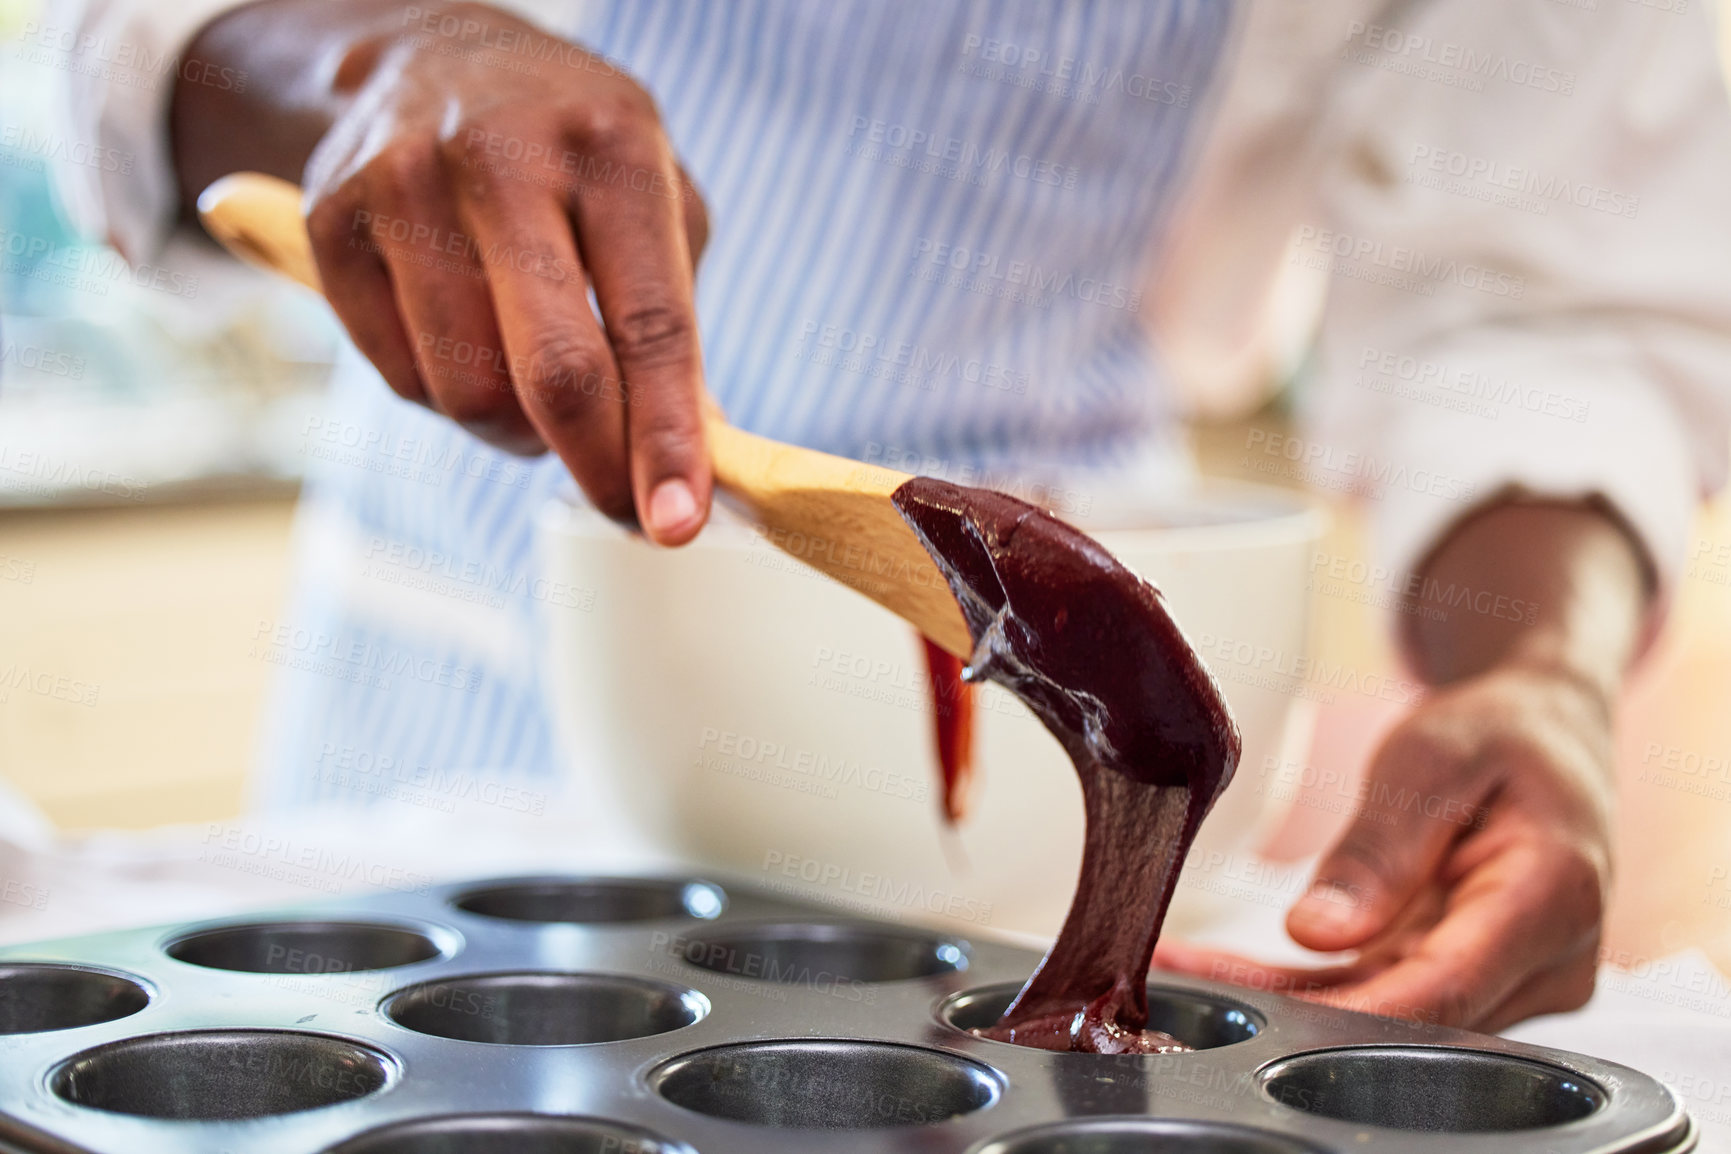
pixel 1089 647
pixel 953 717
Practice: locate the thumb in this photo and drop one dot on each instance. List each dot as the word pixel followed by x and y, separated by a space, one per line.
pixel 1388 853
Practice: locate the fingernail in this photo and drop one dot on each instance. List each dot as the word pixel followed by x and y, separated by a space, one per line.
pixel 1329 906
pixel 671 507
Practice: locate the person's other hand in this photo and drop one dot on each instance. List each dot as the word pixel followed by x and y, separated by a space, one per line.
pixel 1473 877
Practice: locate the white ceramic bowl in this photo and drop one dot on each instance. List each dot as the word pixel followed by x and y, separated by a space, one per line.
pixel 750 715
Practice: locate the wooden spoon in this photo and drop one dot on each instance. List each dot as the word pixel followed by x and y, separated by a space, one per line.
pixel 829 512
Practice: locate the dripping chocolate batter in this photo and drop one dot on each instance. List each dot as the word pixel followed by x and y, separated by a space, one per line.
pixel 953 717
pixel 1089 647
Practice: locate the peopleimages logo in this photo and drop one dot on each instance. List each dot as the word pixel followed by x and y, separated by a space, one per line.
pixel 47 146
pixel 40 360
pixel 1339 575
pixel 877 355
pixel 1026 66
pixel 1470 385
pixel 763 966
pixel 877 887
pixel 1514 178
pixel 961 158
pixel 1398 266
pixel 1022 280
pixel 362 660
pixel 84 268
pixel 121 62
pixel 332 868
pixel 1328 467
pixel 1449 60
pixel 1239 660
pixel 727 749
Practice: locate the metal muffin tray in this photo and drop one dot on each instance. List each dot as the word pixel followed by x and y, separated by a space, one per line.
pixel 565 1015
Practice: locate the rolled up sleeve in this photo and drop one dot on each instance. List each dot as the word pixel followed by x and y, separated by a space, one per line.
pixel 121 60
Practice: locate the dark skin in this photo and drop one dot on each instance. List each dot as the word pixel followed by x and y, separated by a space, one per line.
pixel 498 142
pixel 1490 913
pixel 459 198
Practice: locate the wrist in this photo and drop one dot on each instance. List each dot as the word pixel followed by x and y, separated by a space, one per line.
pixel 1577 571
pixel 304 60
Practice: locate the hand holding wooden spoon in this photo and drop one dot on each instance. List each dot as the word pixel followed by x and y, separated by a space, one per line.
pixel 830 512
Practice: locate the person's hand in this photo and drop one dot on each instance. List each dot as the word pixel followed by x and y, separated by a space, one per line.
pixel 1472 879
pixel 469 179
pixel 516 191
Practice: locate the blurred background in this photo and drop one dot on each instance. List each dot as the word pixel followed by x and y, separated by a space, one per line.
pixel 149 457
pixel 150 448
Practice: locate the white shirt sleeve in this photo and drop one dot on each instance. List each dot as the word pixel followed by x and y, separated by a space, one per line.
pixel 1527 246
pixel 120 59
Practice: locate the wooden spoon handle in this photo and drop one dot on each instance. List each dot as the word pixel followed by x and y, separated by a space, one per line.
pixel 258 219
